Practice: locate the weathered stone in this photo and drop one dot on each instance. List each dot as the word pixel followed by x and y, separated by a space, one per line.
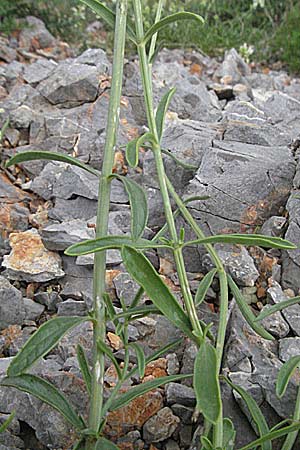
pixel 95 57
pixel 224 172
pixel 233 68
pixel 178 393
pixel 274 226
pixel 134 415
pixel 292 313
pixel 79 208
pixel 184 412
pixel 61 236
pixel 173 364
pixel 33 310
pixel 71 85
pixel 50 300
pixel 288 348
pixel 72 308
pixel 12 310
pixel 126 288
pixel 161 426
pixel 7 54
pixel 275 324
pixel 29 260
pixel 39 70
pixel 35 35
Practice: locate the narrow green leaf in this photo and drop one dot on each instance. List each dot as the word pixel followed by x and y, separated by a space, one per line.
pixel 132 148
pixel 109 306
pixel 143 388
pixel 84 367
pixel 285 373
pixel 206 383
pixel 229 434
pixel 246 239
pixel 278 307
pixel 184 165
pixel 204 286
pixel 107 351
pixel 168 20
pixel 141 360
pixel 7 422
pixel 41 342
pixel 271 436
pixel 108 16
pixel 46 392
pixel 79 445
pixel 110 242
pixel 162 111
pixel 255 412
pixel 138 204
pixel 105 444
pixel 33 155
pixel 3 129
pixel 206 444
pixel 146 276
pixel 137 311
pixel 247 311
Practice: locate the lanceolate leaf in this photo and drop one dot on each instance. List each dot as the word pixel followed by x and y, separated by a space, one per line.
pixel 278 307
pixel 204 286
pixel 33 155
pixel 144 273
pixel 41 342
pixel 255 412
pixel 132 148
pixel 109 242
pixel 47 393
pixel 140 358
pixel 246 239
pixel 171 19
pixel 228 434
pixel 105 349
pixel 7 422
pixel 138 204
pixel 271 436
pixel 206 383
pixel 247 311
pixel 162 111
pixel 206 444
pixel 285 374
pixel 183 164
pixel 105 444
pixel 84 367
pixel 107 15
pixel 143 388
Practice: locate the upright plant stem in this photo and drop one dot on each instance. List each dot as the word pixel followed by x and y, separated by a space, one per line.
pixel 291 437
pixel 102 217
pixel 147 85
pixel 161 4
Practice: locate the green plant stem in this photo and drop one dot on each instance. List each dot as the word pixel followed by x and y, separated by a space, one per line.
pixel 147 85
pixel 160 6
pixel 95 413
pixel 291 438
pixel 218 428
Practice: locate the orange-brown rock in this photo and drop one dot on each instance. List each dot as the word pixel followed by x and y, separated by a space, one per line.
pixel 29 260
pixel 156 369
pixel 134 415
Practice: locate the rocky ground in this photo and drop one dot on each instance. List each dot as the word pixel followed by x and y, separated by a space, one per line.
pixel 239 128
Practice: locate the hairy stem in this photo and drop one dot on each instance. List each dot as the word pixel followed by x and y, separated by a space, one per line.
pixel 147 85
pixel 95 413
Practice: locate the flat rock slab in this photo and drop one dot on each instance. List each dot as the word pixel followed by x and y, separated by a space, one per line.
pixel 246 184
pixel 29 260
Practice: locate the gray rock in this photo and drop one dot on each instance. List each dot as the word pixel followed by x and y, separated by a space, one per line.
pixel 292 313
pixel 34 33
pixel 178 393
pixel 72 308
pixel 126 288
pixel 161 426
pixel 288 348
pixel 275 324
pixel 7 53
pixel 171 445
pixel 234 67
pixel 60 236
pixel 39 70
pixel 48 299
pixel 185 413
pixel 172 364
pixel 79 208
pixel 22 117
pixel 274 226
pixel 33 310
pixel 12 309
pixel 188 359
pixel 71 84
pixel 237 201
pixel 95 57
